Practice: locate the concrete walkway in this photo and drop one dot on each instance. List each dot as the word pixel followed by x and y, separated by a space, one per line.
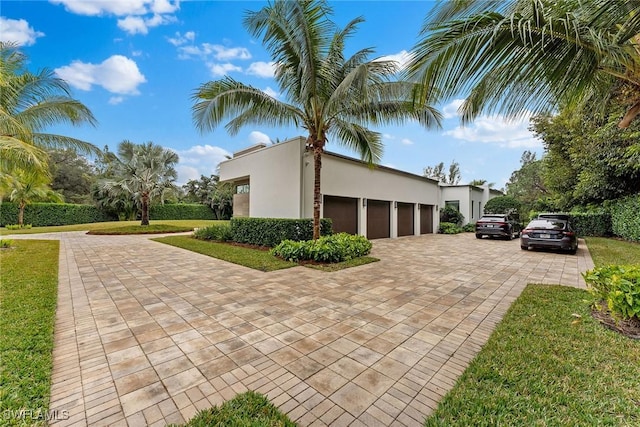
pixel 148 334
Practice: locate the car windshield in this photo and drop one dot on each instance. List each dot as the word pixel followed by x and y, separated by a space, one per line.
pixel 548 224
pixel 493 219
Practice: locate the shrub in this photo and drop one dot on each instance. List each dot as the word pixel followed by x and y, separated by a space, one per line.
pixel 271 231
pixel 6 243
pixel 592 223
pixel 334 248
pixel 625 218
pixel 451 214
pixel 18 226
pixel 503 205
pixel 181 211
pixel 218 232
pixel 449 228
pixel 619 286
pixel 46 214
pixel 469 227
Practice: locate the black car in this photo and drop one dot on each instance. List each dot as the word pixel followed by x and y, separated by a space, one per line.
pixel 497 225
pixel 549 233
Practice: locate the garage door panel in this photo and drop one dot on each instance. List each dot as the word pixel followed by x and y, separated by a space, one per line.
pixel 405 219
pixel 378 219
pixel 343 212
pixel 426 219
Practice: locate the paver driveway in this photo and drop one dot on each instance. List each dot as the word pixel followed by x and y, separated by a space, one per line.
pixel 148 334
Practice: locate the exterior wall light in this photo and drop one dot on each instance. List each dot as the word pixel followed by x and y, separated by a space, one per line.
pixel 364 202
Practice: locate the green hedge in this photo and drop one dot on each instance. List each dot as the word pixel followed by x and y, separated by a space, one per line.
pixel 181 211
pixel 45 214
pixel 591 224
pixel 625 218
pixel 271 231
pixel 335 248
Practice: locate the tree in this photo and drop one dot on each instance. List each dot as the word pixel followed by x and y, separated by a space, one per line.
pixel 481 182
pixel 327 94
pixel 72 175
pixel 28 104
pixel 209 191
pixel 143 172
pixel 30 186
pixel 438 173
pixel 527 184
pixel 517 56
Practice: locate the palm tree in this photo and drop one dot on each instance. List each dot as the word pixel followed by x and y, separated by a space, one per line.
pixel 531 55
pixel 29 103
pixel 328 94
pixel 144 172
pixel 28 186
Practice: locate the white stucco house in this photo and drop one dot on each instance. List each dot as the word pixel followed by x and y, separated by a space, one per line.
pixel 467 199
pixel 276 181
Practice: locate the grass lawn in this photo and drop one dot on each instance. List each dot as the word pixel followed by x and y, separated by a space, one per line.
pixel 188 223
pixel 28 306
pixel 550 363
pixel 142 229
pixel 252 258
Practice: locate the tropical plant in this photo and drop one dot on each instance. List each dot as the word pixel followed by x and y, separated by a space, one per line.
pixel 438 173
pixel 29 103
pixel 30 186
pixel 327 94
pixel 143 172
pixel 520 56
pixel 211 192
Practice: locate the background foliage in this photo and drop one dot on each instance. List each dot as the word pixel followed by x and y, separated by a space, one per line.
pixel 271 231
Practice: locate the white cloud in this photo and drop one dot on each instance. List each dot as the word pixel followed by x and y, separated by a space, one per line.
pixel 406 141
pixel 388 136
pixel 199 160
pixel 272 93
pixel 104 7
pixel 262 69
pixel 181 39
pixel 451 109
pixel 498 131
pixel 18 31
pixel 402 58
pixel 115 100
pixel 215 51
pixel 117 74
pixel 257 137
pixel 140 25
pixel 218 70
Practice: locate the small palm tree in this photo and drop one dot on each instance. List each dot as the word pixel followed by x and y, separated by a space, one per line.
pixel 30 186
pixel 514 56
pixel 29 103
pixel 328 94
pixel 144 172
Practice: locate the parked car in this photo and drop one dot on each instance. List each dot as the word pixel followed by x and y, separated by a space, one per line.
pixel 497 225
pixel 553 215
pixel 549 233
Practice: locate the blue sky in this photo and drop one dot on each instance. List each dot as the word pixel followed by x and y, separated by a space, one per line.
pixel 136 64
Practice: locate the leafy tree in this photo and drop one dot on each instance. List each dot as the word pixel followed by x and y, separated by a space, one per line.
pixel 527 184
pixel 328 94
pixel 143 172
pixel 30 186
pixel 28 104
pixel 516 56
pixel 72 175
pixel 481 182
pixel 438 173
pixel 209 191
pixel 503 205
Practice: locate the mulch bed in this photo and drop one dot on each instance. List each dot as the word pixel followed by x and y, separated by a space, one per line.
pixel 629 328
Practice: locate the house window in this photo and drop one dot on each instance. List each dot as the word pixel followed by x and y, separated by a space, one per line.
pixel 453 203
pixel 242 189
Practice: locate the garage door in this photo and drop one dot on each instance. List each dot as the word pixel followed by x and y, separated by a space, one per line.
pixel 426 219
pixel 343 212
pixel 378 219
pixel 405 219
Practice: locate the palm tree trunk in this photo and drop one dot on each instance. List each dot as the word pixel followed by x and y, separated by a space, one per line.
pixel 21 206
pixel 145 210
pixel 317 165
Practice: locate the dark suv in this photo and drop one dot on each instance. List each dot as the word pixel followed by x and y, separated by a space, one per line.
pixel 497 225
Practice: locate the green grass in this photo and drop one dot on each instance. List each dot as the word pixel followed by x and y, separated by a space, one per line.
pixel 191 223
pixel 248 257
pixel 612 251
pixel 249 409
pixel 549 363
pixel 29 277
pixel 344 264
pixel 142 229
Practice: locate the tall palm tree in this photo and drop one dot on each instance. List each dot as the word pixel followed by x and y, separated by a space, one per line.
pixel 515 56
pixel 327 94
pixel 29 103
pixel 28 186
pixel 144 172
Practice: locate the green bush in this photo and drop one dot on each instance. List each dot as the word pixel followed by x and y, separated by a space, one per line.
pixel 18 226
pixel 335 248
pixel 181 211
pixel 452 215
pixel 625 218
pixel 469 227
pixel 619 286
pixel 46 214
pixel 271 231
pixel 449 228
pixel 591 224
pixel 218 232
pixel 503 205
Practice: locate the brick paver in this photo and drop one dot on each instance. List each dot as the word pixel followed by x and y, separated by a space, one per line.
pixel 148 334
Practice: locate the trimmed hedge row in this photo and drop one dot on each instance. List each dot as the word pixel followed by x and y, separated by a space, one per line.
pixel 625 218
pixel 271 231
pixel 45 214
pixel 181 211
pixel 592 224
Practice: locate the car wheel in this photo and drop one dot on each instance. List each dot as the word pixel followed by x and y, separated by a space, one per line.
pixel 478 236
pixel 573 251
pixel 524 248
